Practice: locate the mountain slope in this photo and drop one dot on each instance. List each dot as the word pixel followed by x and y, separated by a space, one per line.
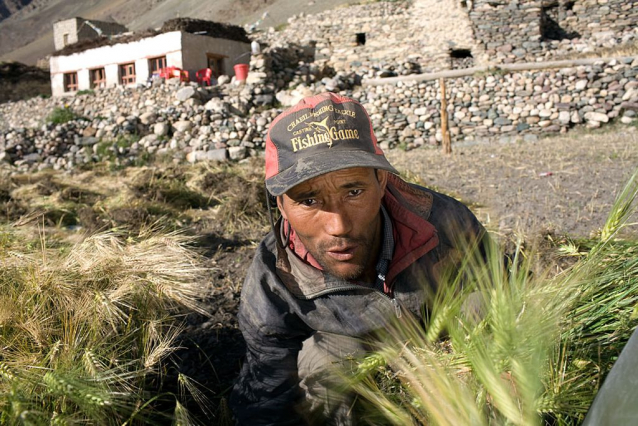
pixel 27 35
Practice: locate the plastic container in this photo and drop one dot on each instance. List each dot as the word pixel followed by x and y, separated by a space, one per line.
pixel 241 72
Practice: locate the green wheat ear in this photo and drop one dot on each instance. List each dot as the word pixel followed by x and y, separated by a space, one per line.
pixel 621 209
pixel 537 353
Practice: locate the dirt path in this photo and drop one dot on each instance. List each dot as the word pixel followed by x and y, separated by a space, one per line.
pixel 566 184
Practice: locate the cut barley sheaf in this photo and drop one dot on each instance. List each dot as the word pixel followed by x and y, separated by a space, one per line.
pixel 82 332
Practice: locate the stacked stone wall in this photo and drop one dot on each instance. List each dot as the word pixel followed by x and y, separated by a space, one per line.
pixel 533 30
pixel 190 123
pixel 520 105
pixel 400 37
pixel 505 27
pixel 590 17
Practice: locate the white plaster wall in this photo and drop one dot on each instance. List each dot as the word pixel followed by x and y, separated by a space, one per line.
pixel 112 73
pixel 57 84
pixel 84 79
pixel 195 48
pixel 174 59
pixel 142 70
pixel 110 57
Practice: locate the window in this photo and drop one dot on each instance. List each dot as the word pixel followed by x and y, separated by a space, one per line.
pixel 71 82
pixel 461 58
pixel 156 64
pixel 361 39
pixel 65 39
pixel 98 78
pixel 216 63
pixel 127 74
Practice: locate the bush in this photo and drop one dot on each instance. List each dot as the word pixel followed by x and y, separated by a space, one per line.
pixel 61 115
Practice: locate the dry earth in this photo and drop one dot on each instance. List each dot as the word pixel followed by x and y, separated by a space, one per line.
pixel 563 184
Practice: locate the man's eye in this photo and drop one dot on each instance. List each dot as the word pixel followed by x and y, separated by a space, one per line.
pixel 308 202
pixel 355 192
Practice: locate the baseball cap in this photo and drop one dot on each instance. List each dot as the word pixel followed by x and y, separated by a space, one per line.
pixel 321 134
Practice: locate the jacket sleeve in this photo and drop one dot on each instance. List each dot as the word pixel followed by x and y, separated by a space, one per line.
pixel 267 389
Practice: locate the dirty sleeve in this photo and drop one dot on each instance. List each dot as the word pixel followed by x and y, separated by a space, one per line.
pixel 267 389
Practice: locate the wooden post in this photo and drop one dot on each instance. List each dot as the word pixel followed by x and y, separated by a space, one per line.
pixel 445 134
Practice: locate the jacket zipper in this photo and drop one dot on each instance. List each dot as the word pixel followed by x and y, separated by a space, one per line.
pixel 392 300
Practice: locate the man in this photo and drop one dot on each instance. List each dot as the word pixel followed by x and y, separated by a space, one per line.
pixel 355 247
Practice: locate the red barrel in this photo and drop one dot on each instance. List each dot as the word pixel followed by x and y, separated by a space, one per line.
pixel 241 72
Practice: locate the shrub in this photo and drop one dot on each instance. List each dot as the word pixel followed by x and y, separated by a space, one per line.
pixel 61 115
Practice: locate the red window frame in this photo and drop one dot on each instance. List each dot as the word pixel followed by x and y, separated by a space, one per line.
pixel 70 81
pixel 127 73
pixel 156 64
pixel 98 78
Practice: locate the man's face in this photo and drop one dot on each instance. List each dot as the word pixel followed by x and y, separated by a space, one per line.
pixel 337 217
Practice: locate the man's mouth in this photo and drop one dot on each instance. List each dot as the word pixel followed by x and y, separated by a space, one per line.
pixel 342 254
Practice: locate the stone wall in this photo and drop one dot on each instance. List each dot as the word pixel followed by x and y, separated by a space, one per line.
pixel 532 30
pixel 65 33
pixel 419 32
pixel 77 29
pixel 589 18
pixel 189 123
pixel 510 106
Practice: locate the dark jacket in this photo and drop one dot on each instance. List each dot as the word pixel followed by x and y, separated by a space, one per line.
pixel 284 300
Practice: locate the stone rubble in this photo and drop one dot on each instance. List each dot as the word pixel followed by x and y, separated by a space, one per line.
pixel 229 121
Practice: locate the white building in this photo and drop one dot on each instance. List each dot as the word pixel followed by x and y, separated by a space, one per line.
pixel 133 62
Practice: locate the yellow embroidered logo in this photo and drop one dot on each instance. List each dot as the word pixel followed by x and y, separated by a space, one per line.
pixel 322 134
pixel 318 132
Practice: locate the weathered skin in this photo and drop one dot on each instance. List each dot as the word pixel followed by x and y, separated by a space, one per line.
pixel 337 217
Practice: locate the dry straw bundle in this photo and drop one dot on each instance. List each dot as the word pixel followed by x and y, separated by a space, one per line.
pixel 84 331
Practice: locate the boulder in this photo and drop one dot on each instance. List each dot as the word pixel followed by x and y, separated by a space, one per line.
pixel 161 129
pixel 182 126
pixel 216 155
pixel 237 152
pixel 596 116
pixel 581 84
pixel 185 93
pixel 148 118
pixel 564 117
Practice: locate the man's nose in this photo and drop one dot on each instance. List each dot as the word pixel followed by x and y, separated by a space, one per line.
pixel 337 222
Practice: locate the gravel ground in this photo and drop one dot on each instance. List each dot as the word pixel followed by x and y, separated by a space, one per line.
pixel 563 184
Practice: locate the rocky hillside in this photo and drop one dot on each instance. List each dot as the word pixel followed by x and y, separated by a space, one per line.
pixel 9 7
pixel 26 32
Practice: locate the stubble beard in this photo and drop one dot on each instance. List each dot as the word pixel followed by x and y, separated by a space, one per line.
pixel 320 254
